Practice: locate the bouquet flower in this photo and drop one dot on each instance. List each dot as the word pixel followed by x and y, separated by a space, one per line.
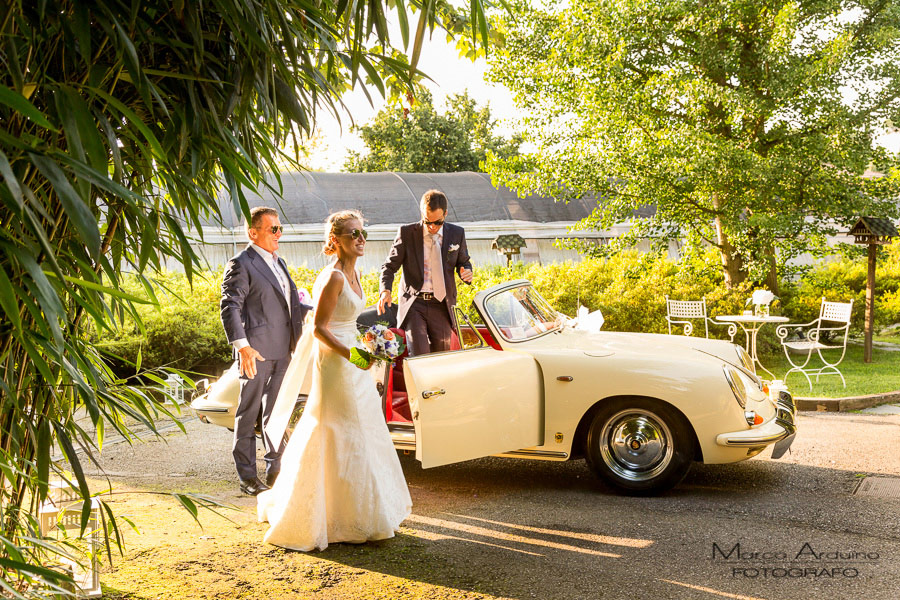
pixel 379 344
pixel 761 299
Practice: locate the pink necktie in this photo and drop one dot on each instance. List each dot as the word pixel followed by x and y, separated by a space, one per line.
pixel 437 270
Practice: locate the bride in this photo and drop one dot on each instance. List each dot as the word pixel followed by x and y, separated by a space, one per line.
pixel 341 479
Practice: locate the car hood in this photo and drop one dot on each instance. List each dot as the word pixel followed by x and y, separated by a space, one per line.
pixel 608 343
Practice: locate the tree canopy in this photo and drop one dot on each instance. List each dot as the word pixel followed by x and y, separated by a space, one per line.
pixel 120 123
pixel 747 123
pixel 417 139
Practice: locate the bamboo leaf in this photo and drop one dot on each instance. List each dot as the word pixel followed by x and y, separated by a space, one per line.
pixel 44 572
pixel 90 136
pixel 191 507
pixel 403 20
pixel 105 289
pixel 12 183
pixel 43 458
pixel 48 299
pixel 75 207
pixel 134 119
pixel 20 104
pixel 8 302
pixel 62 437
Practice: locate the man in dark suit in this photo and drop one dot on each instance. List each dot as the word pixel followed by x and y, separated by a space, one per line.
pixel 262 316
pixel 429 252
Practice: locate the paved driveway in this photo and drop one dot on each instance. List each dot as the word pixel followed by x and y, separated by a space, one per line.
pixel 791 528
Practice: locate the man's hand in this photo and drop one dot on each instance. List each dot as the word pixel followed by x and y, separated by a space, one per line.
pixel 465 274
pixel 249 356
pixel 383 301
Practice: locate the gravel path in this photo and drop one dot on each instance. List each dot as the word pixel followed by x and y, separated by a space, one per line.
pixel 504 528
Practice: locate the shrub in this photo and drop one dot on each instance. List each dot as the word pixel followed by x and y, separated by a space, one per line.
pixel 185 331
pixel 844 279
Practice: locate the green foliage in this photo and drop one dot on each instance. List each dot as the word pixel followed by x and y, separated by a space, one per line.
pixel 183 330
pixel 120 124
pixel 843 280
pixel 728 116
pixel 419 140
pixel 628 288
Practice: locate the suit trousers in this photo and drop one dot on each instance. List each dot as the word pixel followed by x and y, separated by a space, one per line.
pixel 428 327
pixel 255 405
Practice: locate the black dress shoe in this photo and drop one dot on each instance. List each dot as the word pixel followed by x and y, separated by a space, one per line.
pixel 252 487
pixel 271 477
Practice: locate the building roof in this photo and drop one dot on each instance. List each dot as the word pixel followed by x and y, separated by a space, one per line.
pixel 390 198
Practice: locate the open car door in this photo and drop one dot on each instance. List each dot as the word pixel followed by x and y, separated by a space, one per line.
pixel 472 403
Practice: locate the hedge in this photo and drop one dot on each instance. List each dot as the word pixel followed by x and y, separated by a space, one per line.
pixel 185 332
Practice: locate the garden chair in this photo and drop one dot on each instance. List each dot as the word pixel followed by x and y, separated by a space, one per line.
pixel 685 312
pixel 828 332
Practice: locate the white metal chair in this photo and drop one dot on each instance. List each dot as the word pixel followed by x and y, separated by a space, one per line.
pixel 828 332
pixel 685 312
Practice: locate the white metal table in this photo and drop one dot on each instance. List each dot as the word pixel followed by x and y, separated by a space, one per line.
pixel 751 324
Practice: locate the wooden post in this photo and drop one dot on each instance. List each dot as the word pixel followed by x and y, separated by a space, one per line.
pixel 870 304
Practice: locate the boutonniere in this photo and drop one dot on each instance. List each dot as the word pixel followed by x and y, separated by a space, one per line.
pixel 453 248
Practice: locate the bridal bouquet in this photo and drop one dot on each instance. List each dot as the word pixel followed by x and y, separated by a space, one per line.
pixel 379 344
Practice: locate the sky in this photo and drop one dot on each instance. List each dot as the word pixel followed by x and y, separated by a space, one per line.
pixel 452 74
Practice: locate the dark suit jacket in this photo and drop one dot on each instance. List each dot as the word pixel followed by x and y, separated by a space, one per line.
pixel 408 252
pixel 254 307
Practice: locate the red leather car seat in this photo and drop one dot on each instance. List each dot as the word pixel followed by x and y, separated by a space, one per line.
pixel 395 397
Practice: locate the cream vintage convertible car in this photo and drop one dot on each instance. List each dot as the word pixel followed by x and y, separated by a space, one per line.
pixel 526 382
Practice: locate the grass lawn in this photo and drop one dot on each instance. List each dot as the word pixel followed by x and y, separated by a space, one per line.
pixel 880 376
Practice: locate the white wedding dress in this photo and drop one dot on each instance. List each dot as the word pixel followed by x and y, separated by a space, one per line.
pixel 341 479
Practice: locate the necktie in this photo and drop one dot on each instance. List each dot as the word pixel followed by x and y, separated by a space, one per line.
pixel 437 270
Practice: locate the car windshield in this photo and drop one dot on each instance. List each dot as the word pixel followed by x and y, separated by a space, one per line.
pixel 520 313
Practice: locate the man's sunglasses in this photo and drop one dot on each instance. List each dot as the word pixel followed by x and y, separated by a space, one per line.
pixel 437 223
pixel 357 233
pixel 274 228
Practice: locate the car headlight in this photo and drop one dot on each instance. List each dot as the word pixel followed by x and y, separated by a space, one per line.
pixel 736 380
pixel 744 358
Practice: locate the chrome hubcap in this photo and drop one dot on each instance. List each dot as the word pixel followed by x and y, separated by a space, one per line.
pixel 636 445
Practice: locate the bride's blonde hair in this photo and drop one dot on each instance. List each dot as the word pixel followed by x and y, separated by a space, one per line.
pixel 334 225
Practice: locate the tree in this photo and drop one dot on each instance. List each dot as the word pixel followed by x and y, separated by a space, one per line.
pixel 419 140
pixel 747 123
pixel 120 121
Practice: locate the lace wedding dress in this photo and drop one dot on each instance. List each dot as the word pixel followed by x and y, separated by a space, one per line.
pixel 341 479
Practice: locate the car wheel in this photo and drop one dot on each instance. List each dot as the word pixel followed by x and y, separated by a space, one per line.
pixel 639 446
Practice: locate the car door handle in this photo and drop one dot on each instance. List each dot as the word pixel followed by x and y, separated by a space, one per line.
pixel 429 393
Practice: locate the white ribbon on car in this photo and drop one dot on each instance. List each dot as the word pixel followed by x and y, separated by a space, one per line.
pixel 587 321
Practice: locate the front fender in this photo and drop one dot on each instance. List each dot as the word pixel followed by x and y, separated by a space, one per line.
pixel 694 384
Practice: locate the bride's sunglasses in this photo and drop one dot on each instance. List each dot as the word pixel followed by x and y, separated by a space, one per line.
pixel 357 233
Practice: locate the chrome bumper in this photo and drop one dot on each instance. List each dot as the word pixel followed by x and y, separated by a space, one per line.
pixel 779 431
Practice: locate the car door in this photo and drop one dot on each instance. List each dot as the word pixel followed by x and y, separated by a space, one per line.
pixel 472 403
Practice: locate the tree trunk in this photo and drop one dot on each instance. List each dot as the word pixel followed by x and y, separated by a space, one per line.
pixel 732 264
pixel 771 282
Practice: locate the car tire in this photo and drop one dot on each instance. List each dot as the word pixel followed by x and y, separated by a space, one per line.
pixel 639 446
